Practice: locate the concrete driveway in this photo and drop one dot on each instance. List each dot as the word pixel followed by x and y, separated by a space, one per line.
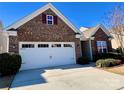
pixel 66 77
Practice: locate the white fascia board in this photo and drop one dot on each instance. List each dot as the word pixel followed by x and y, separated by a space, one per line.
pixel 77 36
pixel 12 33
pixel 39 11
pixel 83 39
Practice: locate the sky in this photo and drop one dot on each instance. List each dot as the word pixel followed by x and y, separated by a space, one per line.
pixel 80 14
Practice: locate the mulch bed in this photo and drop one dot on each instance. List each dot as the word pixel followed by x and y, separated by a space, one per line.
pixel 116 69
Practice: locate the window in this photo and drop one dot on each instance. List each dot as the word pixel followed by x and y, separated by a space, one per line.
pixel 27 45
pixel 43 45
pixel 102 47
pixel 67 45
pixel 56 45
pixel 49 19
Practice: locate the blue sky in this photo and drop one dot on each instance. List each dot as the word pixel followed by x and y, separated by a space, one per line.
pixel 80 14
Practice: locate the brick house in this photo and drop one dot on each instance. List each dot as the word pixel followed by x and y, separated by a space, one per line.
pixel 95 40
pixel 47 38
pixel 44 38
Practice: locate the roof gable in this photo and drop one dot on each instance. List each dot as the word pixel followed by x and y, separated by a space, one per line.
pixel 38 12
pixel 100 33
pixel 91 31
pixel 103 29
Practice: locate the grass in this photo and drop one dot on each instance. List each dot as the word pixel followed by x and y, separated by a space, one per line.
pixel 5 82
pixel 117 69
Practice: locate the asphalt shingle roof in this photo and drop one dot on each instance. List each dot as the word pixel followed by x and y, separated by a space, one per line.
pixel 87 33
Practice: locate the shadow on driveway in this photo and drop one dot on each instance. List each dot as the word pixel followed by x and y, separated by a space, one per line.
pixel 35 76
pixel 74 66
pixel 28 77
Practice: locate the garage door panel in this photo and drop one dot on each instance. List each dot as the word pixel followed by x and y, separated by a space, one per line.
pixel 46 55
pixel 34 58
pixel 42 57
pixel 62 57
pixel 69 49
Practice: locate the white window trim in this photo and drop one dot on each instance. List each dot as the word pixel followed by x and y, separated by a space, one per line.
pixel 50 20
pixel 102 47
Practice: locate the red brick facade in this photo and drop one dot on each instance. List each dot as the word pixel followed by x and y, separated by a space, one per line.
pixel 100 36
pixel 36 31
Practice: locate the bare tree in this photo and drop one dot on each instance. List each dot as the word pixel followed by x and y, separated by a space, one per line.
pixel 115 22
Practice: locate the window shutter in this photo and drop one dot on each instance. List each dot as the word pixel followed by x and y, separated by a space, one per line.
pixel 44 18
pixel 55 20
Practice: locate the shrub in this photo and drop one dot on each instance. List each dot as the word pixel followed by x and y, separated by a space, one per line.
pixel 99 62
pixel 118 62
pixel 119 50
pixel 82 60
pixel 106 62
pixel 121 58
pixel 110 62
pixel 9 63
pixel 108 55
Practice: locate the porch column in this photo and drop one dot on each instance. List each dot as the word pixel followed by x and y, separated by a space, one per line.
pixel 90 46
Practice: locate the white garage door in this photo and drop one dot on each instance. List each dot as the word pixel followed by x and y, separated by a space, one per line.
pixel 46 54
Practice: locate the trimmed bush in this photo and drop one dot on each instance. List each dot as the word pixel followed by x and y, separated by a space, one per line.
pixel 108 55
pixel 9 64
pixel 99 63
pixel 106 62
pixel 110 62
pixel 83 60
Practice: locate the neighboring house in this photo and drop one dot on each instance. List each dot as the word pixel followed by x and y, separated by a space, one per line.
pixel 44 38
pixel 47 38
pixel 115 42
pixel 95 40
pixel 3 39
pixel 3 42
